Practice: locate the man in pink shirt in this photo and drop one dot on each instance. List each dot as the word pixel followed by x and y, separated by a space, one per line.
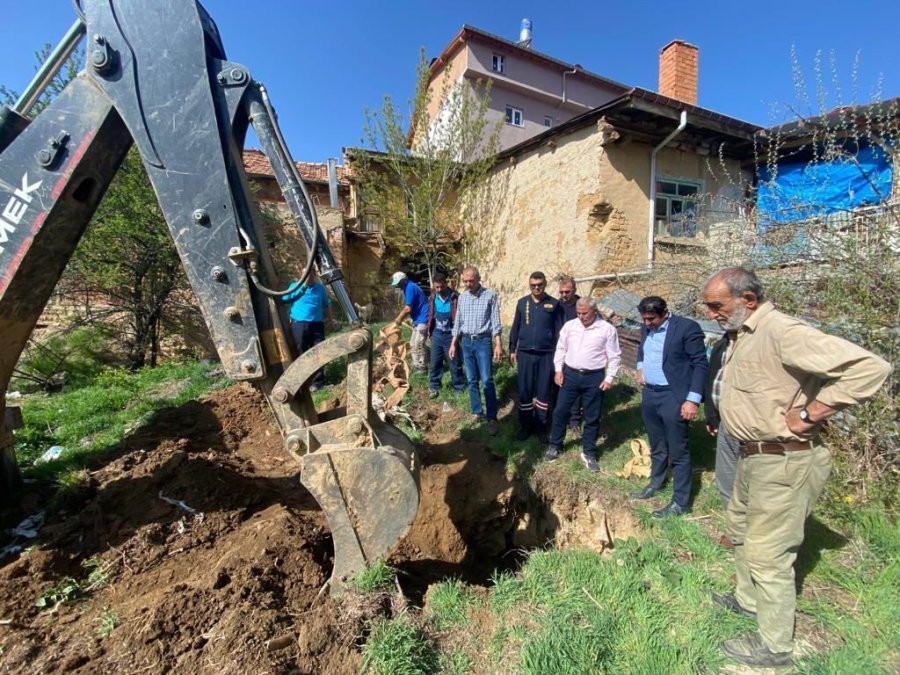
pixel 586 361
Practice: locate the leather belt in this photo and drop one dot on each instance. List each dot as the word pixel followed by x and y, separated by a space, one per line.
pixel 749 448
pixel 475 336
pixel 584 371
pixel 658 387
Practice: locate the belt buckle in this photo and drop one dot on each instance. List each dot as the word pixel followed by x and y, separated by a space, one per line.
pixel 752 448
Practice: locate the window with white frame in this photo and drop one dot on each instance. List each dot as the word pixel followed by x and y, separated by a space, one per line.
pixel 548 121
pixel 677 207
pixel 498 63
pixel 514 116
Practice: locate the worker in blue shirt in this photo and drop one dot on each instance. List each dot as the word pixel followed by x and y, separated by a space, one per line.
pixel 309 306
pixel 415 305
pixel 532 342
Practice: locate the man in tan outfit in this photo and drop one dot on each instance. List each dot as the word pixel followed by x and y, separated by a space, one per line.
pixel 780 380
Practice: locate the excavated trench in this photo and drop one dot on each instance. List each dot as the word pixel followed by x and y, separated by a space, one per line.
pixel 210 589
pixel 474 517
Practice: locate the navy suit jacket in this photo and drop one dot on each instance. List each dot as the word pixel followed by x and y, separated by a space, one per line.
pixel 684 356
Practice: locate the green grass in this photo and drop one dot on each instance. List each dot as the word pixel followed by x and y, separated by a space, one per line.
pixel 448 604
pixel 455 662
pixel 647 607
pixel 398 647
pixel 93 418
pixel 376 577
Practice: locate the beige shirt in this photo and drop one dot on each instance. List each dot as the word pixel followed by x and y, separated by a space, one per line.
pixel 778 363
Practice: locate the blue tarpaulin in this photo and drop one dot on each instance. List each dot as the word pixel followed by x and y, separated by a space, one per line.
pixel 803 190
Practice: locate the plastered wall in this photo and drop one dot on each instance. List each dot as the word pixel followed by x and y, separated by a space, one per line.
pixel 580 208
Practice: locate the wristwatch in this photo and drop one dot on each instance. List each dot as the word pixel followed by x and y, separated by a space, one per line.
pixel 804 415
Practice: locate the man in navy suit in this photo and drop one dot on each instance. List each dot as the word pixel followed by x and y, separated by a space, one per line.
pixel 671 368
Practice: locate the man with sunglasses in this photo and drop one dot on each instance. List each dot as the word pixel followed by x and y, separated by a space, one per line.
pixel 532 341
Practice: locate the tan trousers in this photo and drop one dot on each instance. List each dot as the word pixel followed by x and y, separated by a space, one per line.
pixel 417 346
pixel 773 495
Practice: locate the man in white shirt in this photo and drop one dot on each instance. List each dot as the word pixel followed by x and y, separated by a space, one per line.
pixel 586 361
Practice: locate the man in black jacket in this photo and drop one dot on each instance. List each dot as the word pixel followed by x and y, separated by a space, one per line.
pixel 532 341
pixel 672 370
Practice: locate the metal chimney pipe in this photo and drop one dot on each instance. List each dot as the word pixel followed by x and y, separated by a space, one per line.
pixel 525 34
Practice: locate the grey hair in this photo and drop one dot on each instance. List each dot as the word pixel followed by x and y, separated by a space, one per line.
pixel 738 280
pixel 472 268
pixel 586 300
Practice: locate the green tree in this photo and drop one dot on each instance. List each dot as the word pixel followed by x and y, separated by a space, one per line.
pixel 128 259
pixel 418 173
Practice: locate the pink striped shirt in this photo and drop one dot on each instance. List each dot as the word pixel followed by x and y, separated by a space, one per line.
pixel 591 348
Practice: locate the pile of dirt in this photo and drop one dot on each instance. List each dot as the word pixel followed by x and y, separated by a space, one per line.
pixel 201 591
pixel 214 555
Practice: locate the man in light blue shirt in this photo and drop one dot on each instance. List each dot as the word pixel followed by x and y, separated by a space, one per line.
pixel 309 305
pixel 672 370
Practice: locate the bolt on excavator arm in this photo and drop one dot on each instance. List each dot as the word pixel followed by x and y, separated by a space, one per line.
pixel 172 93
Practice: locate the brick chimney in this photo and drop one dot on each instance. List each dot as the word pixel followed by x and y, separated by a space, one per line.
pixel 678 71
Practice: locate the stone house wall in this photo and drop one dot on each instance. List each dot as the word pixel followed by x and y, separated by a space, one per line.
pixel 579 205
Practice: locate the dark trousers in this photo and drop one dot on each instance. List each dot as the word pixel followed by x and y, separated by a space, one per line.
pixel 661 413
pixel 586 386
pixel 440 352
pixel 577 412
pixel 307 334
pixel 535 379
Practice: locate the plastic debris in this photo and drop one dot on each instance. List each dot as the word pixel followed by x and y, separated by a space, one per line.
pixel 639 464
pixel 177 502
pixel 182 526
pixel 50 454
pixel 28 528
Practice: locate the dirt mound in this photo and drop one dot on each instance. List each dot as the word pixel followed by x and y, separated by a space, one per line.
pixel 196 592
pixel 214 555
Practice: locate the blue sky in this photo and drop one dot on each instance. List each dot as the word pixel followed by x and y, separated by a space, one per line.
pixel 324 62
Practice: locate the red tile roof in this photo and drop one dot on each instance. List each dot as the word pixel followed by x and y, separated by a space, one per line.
pixel 257 164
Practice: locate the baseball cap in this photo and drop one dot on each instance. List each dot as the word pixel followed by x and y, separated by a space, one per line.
pixel 397 278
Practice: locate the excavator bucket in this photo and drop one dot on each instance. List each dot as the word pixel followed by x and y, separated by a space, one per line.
pixel 370 498
pixel 362 472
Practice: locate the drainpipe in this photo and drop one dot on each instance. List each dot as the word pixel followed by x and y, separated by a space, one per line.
pixel 614 275
pixel 652 215
pixel 682 123
pixel 574 71
pixel 565 98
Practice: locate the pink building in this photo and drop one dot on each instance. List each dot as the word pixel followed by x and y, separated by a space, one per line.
pixel 532 92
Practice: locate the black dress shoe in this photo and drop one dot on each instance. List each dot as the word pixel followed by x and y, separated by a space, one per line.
pixel 646 493
pixel 671 509
pixel 729 602
pixel 522 434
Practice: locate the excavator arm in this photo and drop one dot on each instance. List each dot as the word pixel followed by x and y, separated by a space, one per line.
pixel 156 76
